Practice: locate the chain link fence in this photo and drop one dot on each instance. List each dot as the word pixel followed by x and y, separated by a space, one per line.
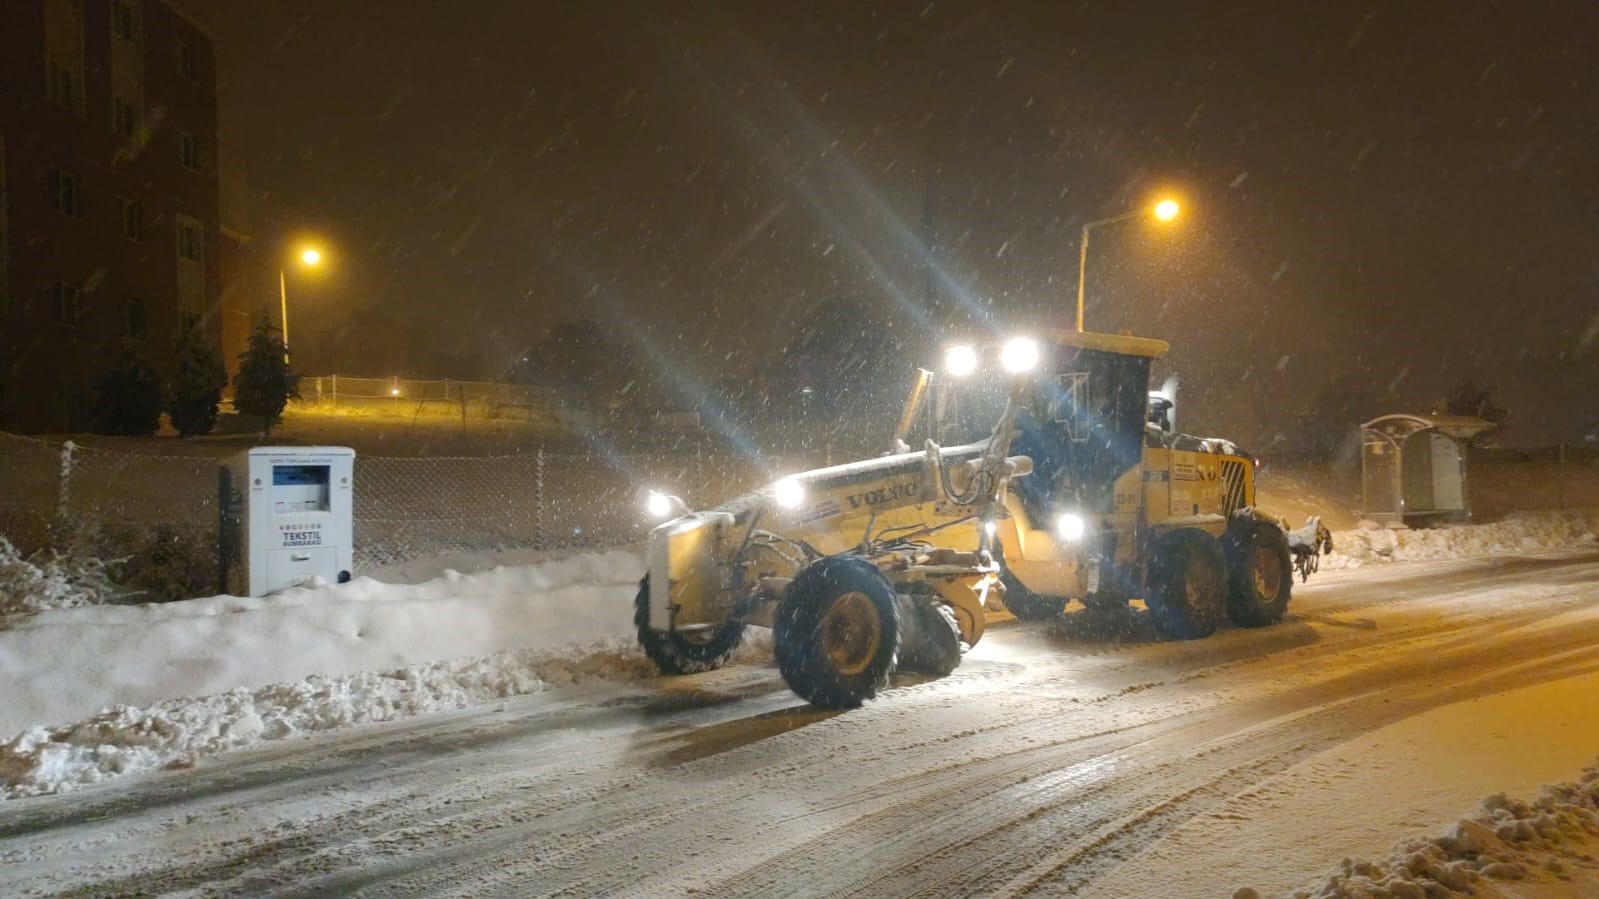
pixel 413 398
pixel 159 514
pixel 407 508
pixel 155 514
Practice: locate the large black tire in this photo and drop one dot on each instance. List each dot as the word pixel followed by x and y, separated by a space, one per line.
pixel 929 638
pixel 1260 573
pixel 837 632
pixel 1187 595
pixel 1027 605
pixel 679 653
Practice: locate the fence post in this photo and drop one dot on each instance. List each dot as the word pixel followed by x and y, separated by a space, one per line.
pixel 64 485
pixel 538 499
pixel 1561 481
pixel 460 393
pixel 335 390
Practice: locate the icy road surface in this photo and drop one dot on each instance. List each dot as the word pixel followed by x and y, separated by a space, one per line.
pixel 1056 760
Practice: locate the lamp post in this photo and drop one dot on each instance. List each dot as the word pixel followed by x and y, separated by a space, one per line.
pixel 1164 211
pixel 309 257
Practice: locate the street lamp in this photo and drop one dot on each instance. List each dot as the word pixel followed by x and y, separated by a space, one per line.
pixel 310 257
pixel 1164 210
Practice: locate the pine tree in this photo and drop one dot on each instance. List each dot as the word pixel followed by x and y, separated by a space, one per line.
pixel 197 383
pixel 264 385
pixel 127 398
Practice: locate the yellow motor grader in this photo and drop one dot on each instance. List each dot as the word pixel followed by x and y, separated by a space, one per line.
pixel 1048 469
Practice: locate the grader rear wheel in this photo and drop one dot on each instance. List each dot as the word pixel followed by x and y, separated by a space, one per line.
pixel 1187 593
pixel 1260 573
pixel 679 652
pixel 837 632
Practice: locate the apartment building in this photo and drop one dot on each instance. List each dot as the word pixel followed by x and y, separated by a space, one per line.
pixel 110 230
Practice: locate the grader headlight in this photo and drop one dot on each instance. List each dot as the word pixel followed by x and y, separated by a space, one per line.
pixel 660 506
pixel 960 361
pixel 789 493
pixel 1071 526
pixel 1019 354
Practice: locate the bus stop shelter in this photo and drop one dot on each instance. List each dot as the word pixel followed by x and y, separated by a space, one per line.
pixel 1413 468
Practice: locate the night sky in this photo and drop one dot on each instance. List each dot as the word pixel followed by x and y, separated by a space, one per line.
pixel 1398 195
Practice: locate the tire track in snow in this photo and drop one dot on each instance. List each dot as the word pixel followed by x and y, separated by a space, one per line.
pixel 1185 783
pixel 1040 774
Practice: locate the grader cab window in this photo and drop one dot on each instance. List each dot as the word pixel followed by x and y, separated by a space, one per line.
pixel 970 407
pixel 1071 405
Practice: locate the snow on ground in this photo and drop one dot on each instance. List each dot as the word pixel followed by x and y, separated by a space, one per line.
pixel 302 660
pixel 100 690
pixel 124 740
pixel 1377 790
pixel 156 686
pixel 1509 849
pixel 1520 533
pixel 65 664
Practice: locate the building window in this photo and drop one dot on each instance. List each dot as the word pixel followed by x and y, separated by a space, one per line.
pixel 186 59
pixel 189 241
pixel 69 304
pixel 189 151
pixel 124 20
pixel 138 327
pixel 64 194
pixel 132 218
pixel 61 85
pixel 123 119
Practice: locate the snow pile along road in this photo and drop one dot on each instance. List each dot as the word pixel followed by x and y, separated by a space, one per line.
pixel 158 686
pixel 299 661
pixel 1530 532
pixel 66 664
pixel 126 740
pixel 1552 840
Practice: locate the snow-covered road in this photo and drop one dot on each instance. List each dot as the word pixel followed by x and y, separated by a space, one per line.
pixel 1080 758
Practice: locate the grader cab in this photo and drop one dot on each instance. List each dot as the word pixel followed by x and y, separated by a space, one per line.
pixel 1119 505
pixel 1045 472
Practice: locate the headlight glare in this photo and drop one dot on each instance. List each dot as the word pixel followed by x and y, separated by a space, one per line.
pixel 960 361
pixel 1019 354
pixel 789 493
pixel 1071 526
pixel 658 504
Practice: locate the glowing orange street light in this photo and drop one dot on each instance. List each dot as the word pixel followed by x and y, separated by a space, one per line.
pixel 1165 210
pixel 310 257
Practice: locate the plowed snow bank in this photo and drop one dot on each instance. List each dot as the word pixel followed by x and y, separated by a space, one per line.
pixel 67 664
pixel 125 740
pixel 1529 532
pixel 1503 851
pixel 158 686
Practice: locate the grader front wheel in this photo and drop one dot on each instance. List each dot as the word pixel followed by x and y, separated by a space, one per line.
pixel 837 632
